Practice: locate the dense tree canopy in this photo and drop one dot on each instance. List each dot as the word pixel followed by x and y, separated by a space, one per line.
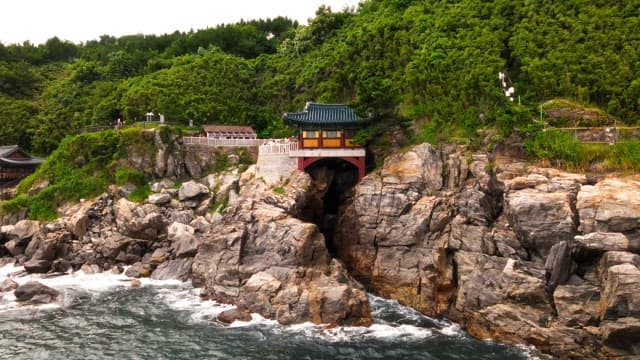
pixel 429 66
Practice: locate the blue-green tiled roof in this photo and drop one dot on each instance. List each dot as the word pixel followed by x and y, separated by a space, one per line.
pixel 323 114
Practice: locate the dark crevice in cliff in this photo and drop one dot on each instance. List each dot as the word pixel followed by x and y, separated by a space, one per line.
pixel 333 179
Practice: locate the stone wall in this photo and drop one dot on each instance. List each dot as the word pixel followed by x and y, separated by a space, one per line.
pixel 275 168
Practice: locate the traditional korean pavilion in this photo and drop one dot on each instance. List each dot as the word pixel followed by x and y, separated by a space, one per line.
pixel 16 163
pixel 327 131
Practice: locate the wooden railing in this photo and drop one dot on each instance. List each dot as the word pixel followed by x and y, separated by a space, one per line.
pixel 277 146
pixel 190 140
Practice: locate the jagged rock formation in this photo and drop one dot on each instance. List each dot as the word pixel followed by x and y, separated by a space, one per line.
pixel 513 253
pixel 265 260
pixel 254 253
pixel 541 257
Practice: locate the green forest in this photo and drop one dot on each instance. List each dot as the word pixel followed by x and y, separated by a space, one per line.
pixel 427 68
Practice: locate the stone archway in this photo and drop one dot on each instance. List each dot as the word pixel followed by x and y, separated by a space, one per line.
pixel 358 162
pixel 333 180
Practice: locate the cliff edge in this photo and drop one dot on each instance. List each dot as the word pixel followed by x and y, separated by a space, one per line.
pixel 514 253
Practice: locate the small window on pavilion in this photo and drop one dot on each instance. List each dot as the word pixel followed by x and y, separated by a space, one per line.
pixel 350 134
pixel 331 134
pixel 310 134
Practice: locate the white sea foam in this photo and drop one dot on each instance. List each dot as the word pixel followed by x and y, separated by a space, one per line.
pixel 452 329
pixel 68 285
pixel 403 324
pixel 185 298
pixel 256 320
pixel 408 332
pixel 188 300
pixel 532 353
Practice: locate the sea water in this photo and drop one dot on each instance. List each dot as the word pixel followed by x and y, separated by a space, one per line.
pixel 101 316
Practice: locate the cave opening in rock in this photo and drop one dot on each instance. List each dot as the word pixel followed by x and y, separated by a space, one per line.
pixel 332 181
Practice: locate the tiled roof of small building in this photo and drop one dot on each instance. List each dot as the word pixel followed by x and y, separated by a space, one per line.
pixel 6 151
pixel 228 129
pixel 323 114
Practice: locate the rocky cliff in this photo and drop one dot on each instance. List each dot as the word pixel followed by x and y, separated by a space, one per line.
pixel 517 254
pixel 512 252
pixel 227 232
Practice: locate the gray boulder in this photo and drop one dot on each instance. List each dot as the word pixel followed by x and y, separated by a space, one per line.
pixel 541 219
pixel 611 205
pixel 620 294
pixel 190 190
pixel 15 247
pixel 25 229
pixel 179 269
pixel 159 199
pixel 600 242
pixel 232 315
pixel 139 269
pixel 559 265
pixel 184 242
pixel 6 233
pixel 622 337
pixel 140 222
pixel 37 266
pixel 577 305
pixel 8 285
pixel 34 292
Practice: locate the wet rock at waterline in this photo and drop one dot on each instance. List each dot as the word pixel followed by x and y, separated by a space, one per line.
pixel 8 285
pixel 231 315
pixel 34 292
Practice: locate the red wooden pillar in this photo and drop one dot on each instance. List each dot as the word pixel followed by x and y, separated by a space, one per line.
pixel 360 168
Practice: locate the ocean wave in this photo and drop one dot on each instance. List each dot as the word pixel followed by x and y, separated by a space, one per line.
pixel 392 322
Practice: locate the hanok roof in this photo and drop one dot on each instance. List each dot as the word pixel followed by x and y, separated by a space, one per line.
pixel 228 129
pixel 8 150
pixel 323 114
pixel 25 159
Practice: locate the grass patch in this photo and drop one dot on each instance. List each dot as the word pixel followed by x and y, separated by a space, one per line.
pixel 218 206
pixel 562 150
pixel 278 190
pixel 624 156
pixel 140 194
pixel 124 175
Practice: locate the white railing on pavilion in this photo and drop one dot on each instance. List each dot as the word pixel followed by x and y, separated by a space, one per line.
pixel 191 140
pixel 277 146
pixel 265 146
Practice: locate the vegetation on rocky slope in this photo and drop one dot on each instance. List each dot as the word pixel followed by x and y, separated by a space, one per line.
pixel 82 166
pixel 425 69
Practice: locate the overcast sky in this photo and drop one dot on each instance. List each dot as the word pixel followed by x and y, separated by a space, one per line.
pixel 83 20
